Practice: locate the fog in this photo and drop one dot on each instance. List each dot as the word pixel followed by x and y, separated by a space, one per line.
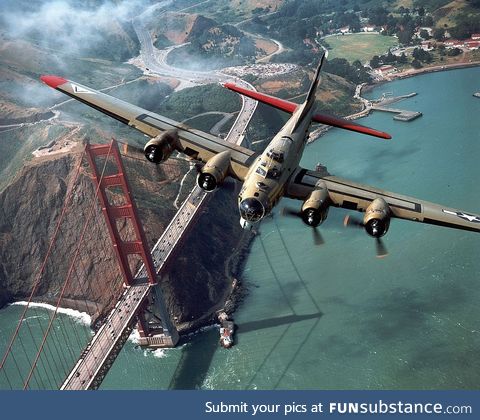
pixel 68 25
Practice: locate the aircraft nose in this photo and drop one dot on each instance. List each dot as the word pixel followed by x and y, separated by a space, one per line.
pixel 251 209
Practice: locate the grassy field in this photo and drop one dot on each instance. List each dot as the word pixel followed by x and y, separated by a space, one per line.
pixel 359 46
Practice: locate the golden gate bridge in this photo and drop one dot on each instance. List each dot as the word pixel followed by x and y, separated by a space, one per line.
pixel 69 356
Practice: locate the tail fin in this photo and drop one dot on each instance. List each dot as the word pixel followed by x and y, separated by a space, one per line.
pixel 316 80
pixel 310 100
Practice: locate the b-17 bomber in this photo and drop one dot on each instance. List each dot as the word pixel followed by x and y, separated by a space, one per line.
pixel 274 173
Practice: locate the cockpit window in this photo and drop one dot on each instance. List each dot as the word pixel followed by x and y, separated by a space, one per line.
pixel 273 173
pixel 276 156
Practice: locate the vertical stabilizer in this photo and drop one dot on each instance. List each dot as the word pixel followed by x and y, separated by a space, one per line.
pixel 310 100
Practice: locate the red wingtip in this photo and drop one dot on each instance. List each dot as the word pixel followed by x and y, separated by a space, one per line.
pixel 53 81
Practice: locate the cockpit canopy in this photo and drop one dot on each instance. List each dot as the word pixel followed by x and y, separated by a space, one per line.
pixel 277 156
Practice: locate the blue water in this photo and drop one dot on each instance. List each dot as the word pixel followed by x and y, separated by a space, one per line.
pixel 336 317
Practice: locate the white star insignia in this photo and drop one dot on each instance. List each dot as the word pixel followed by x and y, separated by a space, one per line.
pixel 464 216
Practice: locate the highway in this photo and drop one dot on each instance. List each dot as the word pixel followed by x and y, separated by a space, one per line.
pixel 156 61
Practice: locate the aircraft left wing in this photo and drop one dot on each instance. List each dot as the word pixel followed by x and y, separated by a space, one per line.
pixel 194 143
pixel 353 196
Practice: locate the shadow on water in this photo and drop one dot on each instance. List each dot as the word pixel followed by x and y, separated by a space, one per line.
pixel 275 322
pixel 198 352
pixel 195 361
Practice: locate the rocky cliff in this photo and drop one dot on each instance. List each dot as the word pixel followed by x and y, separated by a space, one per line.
pixel 31 206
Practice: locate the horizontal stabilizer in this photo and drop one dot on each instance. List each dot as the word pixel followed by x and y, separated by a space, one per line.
pixel 278 103
pixel 349 125
pixel 290 107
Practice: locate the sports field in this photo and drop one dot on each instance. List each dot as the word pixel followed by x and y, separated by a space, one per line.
pixel 362 46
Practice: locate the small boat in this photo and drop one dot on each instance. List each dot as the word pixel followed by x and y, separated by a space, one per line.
pixel 226 334
pixel 227 328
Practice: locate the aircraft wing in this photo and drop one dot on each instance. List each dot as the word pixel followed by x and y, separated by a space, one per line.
pixel 195 143
pixel 353 196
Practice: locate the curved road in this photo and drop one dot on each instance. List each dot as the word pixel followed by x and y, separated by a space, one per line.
pixel 156 61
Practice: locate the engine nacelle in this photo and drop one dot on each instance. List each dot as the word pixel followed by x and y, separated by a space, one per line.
pixel 161 147
pixel 377 218
pixel 315 208
pixel 214 171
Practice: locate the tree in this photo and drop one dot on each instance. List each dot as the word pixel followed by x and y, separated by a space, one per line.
pixel 424 34
pixel 375 62
pixel 402 59
pixel 439 34
pixel 389 58
pixel 474 3
pixel 454 52
pixel 416 64
pixel 405 36
pixel 422 55
pixel 428 20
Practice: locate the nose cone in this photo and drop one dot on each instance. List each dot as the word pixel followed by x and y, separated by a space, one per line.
pixel 251 209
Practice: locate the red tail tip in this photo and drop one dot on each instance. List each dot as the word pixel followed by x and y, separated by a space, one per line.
pixel 53 81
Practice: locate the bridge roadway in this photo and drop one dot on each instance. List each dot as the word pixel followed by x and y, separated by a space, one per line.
pixel 105 345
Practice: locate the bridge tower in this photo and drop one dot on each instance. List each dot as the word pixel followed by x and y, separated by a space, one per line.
pixel 129 241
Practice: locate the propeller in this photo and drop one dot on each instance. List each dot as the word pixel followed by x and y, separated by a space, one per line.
pixel 131 150
pixel 228 184
pixel 380 248
pixel 352 222
pixel 289 212
pixel 316 234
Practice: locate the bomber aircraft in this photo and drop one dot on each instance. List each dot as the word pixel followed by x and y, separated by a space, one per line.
pixel 274 173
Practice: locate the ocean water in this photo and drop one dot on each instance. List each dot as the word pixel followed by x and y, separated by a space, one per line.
pixel 334 316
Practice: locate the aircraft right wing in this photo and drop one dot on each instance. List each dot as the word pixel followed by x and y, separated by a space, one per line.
pixel 194 143
pixel 353 196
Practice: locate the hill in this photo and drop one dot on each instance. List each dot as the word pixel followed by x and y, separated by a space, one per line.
pixel 210 44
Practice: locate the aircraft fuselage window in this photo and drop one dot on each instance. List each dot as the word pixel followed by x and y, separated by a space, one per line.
pixel 261 172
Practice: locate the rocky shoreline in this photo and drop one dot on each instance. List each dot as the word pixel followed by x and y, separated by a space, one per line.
pixel 193 296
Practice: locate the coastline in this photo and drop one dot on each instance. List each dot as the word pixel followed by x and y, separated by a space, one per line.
pixel 234 293
pixel 323 129
pixel 434 69
pixel 82 317
pixel 424 70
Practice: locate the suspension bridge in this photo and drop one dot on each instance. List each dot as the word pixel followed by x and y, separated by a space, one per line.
pixel 46 351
